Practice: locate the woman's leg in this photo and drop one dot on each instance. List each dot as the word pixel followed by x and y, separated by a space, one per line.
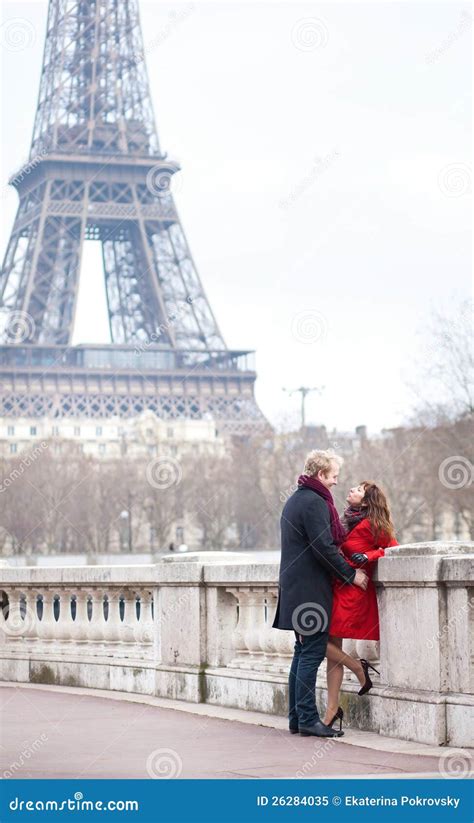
pixel 335 654
pixel 337 659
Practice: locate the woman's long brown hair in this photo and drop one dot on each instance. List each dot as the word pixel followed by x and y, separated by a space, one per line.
pixel 378 512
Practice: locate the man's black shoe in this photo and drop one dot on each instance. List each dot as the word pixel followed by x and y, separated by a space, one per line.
pixel 319 730
pixel 293 729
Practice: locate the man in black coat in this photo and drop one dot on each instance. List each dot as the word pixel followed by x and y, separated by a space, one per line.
pixel 310 534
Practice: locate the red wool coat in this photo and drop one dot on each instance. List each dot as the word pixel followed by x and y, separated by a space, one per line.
pixel 354 612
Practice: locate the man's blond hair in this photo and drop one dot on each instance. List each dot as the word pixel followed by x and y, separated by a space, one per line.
pixel 321 461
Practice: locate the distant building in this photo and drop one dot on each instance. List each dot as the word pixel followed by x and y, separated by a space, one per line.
pixel 342 442
pixel 110 438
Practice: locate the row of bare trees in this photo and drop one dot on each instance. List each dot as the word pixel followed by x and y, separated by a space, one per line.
pixel 73 503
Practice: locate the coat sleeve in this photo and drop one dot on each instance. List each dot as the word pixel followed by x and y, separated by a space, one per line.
pixel 374 554
pixel 317 525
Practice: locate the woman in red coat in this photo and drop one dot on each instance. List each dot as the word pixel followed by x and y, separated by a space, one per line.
pixel 355 613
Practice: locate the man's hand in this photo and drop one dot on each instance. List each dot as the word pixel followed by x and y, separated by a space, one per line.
pixel 360 558
pixel 360 579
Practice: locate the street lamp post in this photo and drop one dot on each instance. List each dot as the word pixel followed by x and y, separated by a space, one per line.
pixel 126 528
pixel 304 391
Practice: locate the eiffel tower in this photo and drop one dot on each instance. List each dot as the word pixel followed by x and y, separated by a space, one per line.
pixel 96 172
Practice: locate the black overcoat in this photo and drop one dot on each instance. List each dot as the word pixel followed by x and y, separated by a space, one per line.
pixel 309 559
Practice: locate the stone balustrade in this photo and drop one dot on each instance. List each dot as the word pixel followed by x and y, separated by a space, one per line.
pixel 100 620
pixel 198 627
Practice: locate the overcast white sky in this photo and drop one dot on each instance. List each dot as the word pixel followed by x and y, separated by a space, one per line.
pixel 325 189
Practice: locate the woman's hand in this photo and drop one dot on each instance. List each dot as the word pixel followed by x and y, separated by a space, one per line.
pixel 359 558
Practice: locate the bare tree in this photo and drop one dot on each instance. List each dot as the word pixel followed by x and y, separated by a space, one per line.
pixel 446 385
pixel 210 499
pixel 445 417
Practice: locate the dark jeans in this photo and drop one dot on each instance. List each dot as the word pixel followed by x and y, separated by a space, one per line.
pixel 310 650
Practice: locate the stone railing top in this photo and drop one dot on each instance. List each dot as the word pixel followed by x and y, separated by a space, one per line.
pixel 187 573
pixel 206 557
pixel 433 547
pixel 427 563
pixel 78 575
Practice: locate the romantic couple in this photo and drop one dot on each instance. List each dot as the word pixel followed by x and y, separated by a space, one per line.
pixel 323 594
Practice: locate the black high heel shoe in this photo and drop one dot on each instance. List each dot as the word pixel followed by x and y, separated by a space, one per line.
pixel 338 716
pixel 368 683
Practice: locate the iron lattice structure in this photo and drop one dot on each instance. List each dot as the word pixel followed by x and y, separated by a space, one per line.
pixel 96 172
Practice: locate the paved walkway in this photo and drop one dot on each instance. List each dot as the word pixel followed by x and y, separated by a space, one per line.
pixel 51 733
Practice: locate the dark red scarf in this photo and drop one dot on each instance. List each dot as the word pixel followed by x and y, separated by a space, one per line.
pixel 353 516
pixel 337 529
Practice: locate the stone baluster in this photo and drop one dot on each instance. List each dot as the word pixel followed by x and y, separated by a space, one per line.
pixel 146 627
pixel 113 623
pixel 81 621
pixel 47 625
pixel 284 642
pixel 3 609
pixel 64 625
pixel 266 633
pixel 14 626
pixel 31 615
pixel 255 604
pixel 237 640
pixel 7 634
pixel 129 628
pixel 239 635
pixel 95 633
